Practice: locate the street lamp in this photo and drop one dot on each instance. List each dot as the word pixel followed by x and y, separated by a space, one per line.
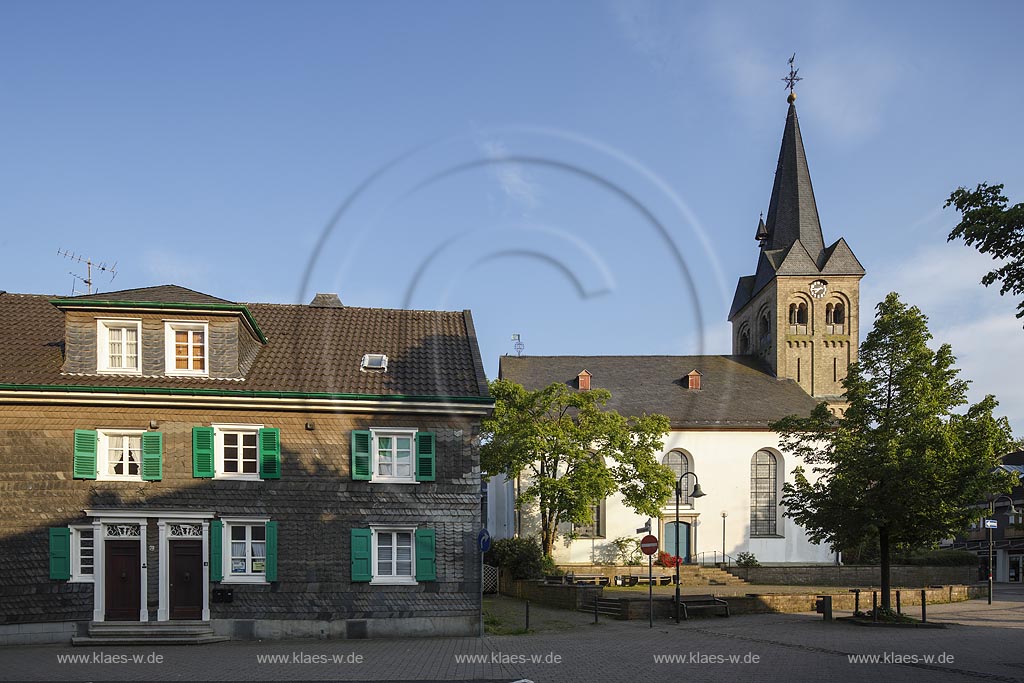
pixel 696 493
pixel 992 513
pixel 724 515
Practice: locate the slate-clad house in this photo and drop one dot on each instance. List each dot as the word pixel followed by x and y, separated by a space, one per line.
pixel 265 470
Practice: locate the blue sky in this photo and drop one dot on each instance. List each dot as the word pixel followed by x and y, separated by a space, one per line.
pixel 586 174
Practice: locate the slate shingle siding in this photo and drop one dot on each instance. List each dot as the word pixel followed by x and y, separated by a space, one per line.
pixel 315 503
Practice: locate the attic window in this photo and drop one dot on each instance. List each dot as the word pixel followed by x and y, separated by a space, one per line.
pixel 583 381
pixel 377 362
pixel 693 380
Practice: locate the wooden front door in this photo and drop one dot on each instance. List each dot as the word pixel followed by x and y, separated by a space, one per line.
pixel 186 577
pixel 122 582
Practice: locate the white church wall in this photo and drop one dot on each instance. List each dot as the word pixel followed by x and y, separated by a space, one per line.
pixel 721 460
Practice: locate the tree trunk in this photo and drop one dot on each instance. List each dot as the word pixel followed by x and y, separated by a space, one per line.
pixel 883 550
pixel 547 540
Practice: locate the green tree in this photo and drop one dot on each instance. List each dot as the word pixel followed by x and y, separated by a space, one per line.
pixel 570 452
pixel 990 227
pixel 899 465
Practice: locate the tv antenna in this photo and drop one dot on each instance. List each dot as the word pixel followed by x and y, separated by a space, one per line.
pixel 518 344
pixel 89 265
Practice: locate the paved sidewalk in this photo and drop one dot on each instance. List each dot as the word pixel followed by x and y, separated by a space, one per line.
pixel 982 642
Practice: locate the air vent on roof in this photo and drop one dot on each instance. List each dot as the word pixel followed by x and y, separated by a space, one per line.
pixel 375 362
pixel 328 300
pixel 693 380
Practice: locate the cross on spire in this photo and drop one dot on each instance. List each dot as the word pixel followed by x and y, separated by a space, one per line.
pixel 792 78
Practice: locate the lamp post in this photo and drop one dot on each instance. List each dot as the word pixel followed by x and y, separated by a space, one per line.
pixel 992 514
pixel 724 515
pixel 696 493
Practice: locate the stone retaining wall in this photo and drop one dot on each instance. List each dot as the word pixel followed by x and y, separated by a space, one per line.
pixel 855 575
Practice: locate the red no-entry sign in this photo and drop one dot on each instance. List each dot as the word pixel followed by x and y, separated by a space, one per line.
pixel 649 544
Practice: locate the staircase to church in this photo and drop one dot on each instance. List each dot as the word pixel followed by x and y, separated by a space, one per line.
pixel 692 575
pixel 149 633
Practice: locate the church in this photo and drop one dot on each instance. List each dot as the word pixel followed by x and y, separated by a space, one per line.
pixel 794 333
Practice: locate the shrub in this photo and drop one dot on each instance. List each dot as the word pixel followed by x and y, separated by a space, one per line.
pixel 943 558
pixel 548 566
pixel 519 556
pixel 746 560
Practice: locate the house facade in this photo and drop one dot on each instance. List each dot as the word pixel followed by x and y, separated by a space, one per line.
pixel 269 470
pixel 795 331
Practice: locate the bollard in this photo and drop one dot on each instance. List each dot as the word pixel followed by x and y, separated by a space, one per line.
pixel 823 606
pixel 527 615
pixel 856 601
pixel 595 609
pixel 874 605
pixel 899 608
pixel 924 606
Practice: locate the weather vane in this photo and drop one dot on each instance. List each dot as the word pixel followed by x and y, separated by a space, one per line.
pixel 792 78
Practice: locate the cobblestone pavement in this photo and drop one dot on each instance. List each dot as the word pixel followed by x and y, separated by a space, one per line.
pixel 982 642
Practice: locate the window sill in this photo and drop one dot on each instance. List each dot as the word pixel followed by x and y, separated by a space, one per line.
pixel 133 480
pixel 81 579
pixel 393 581
pixel 246 579
pixel 120 371
pixel 237 477
pixel 767 536
pixel 381 480
pixel 186 374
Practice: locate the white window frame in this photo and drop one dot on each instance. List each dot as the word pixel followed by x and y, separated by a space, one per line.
pixel 76 553
pixel 393 580
pixel 218 450
pixel 103 454
pixel 103 327
pixel 228 575
pixel 395 432
pixel 172 326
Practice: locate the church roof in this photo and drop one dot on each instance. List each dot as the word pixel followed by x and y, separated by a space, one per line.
pixel 792 242
pixel 737 392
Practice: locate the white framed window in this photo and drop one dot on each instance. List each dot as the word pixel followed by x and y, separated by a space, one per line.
pixel 394 455
pixel 236 451
pixel 119 454
pixel 185 346
pixel 83 553
pixel 245 550
pixel 393 558
pixel 118 349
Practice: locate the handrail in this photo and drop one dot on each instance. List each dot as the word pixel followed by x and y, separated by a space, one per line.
pixel 726 559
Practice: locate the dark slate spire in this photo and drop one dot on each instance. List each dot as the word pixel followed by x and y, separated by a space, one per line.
pixel 792 212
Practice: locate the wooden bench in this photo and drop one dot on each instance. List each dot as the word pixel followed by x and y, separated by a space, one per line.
pixel 589 579
pixel 634 579
pixel 691 603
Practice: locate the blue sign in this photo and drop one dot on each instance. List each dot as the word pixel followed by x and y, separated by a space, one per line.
pixel 484 539
pixel 991 524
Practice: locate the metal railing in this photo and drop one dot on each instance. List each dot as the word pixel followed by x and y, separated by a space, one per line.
pixel 714 559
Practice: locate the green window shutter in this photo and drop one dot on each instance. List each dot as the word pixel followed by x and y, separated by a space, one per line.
pixel 202 451
pixel 85 454
pixel 270 453
pixel 216 550
pixel 426 563
pixel 271 566
pixel 425 447
pixel 361 455
pixel 60 553
pixel 152 456
pixel 362 569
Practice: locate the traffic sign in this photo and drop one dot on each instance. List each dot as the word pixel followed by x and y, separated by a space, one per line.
pixel 484 539
pixel 991 524
pixel 649 544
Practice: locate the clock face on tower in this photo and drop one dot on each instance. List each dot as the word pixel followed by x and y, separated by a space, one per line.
pixel 818 288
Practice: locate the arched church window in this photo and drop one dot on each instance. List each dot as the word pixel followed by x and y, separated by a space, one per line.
pixel 764 497
pixel 839 315
pixel 792 314
pixel 828 314
pixel 744 342
pixel 679 463
pixel 801 314
pixel 764 331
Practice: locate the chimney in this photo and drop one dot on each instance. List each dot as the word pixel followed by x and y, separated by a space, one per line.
pixel 694 380
pixel 583 381
pixel 329 300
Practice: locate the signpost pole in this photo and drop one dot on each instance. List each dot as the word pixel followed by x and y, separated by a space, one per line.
pixel 650 589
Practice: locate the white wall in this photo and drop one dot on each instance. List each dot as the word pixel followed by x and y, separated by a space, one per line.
pixel 721 461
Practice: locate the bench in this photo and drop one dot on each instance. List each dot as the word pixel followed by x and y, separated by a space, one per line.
pixel 691 603
pixel 634 579
pixel 588 579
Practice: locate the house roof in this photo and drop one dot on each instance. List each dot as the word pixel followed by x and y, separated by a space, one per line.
pixel 166 294
pixel 736 391
pixel 308 349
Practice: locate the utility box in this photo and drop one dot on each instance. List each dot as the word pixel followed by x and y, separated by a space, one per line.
pixel 823 606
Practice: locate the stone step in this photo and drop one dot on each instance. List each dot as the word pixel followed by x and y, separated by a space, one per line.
pixel 147 640
pixel 151 632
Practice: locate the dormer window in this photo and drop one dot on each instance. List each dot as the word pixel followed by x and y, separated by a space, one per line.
pixel 185 348
pixel 693 380
pixel 583 381
pixel 117 346
pixel 374 362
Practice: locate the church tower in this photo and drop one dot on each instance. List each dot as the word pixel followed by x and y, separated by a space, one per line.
pixel 799 312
